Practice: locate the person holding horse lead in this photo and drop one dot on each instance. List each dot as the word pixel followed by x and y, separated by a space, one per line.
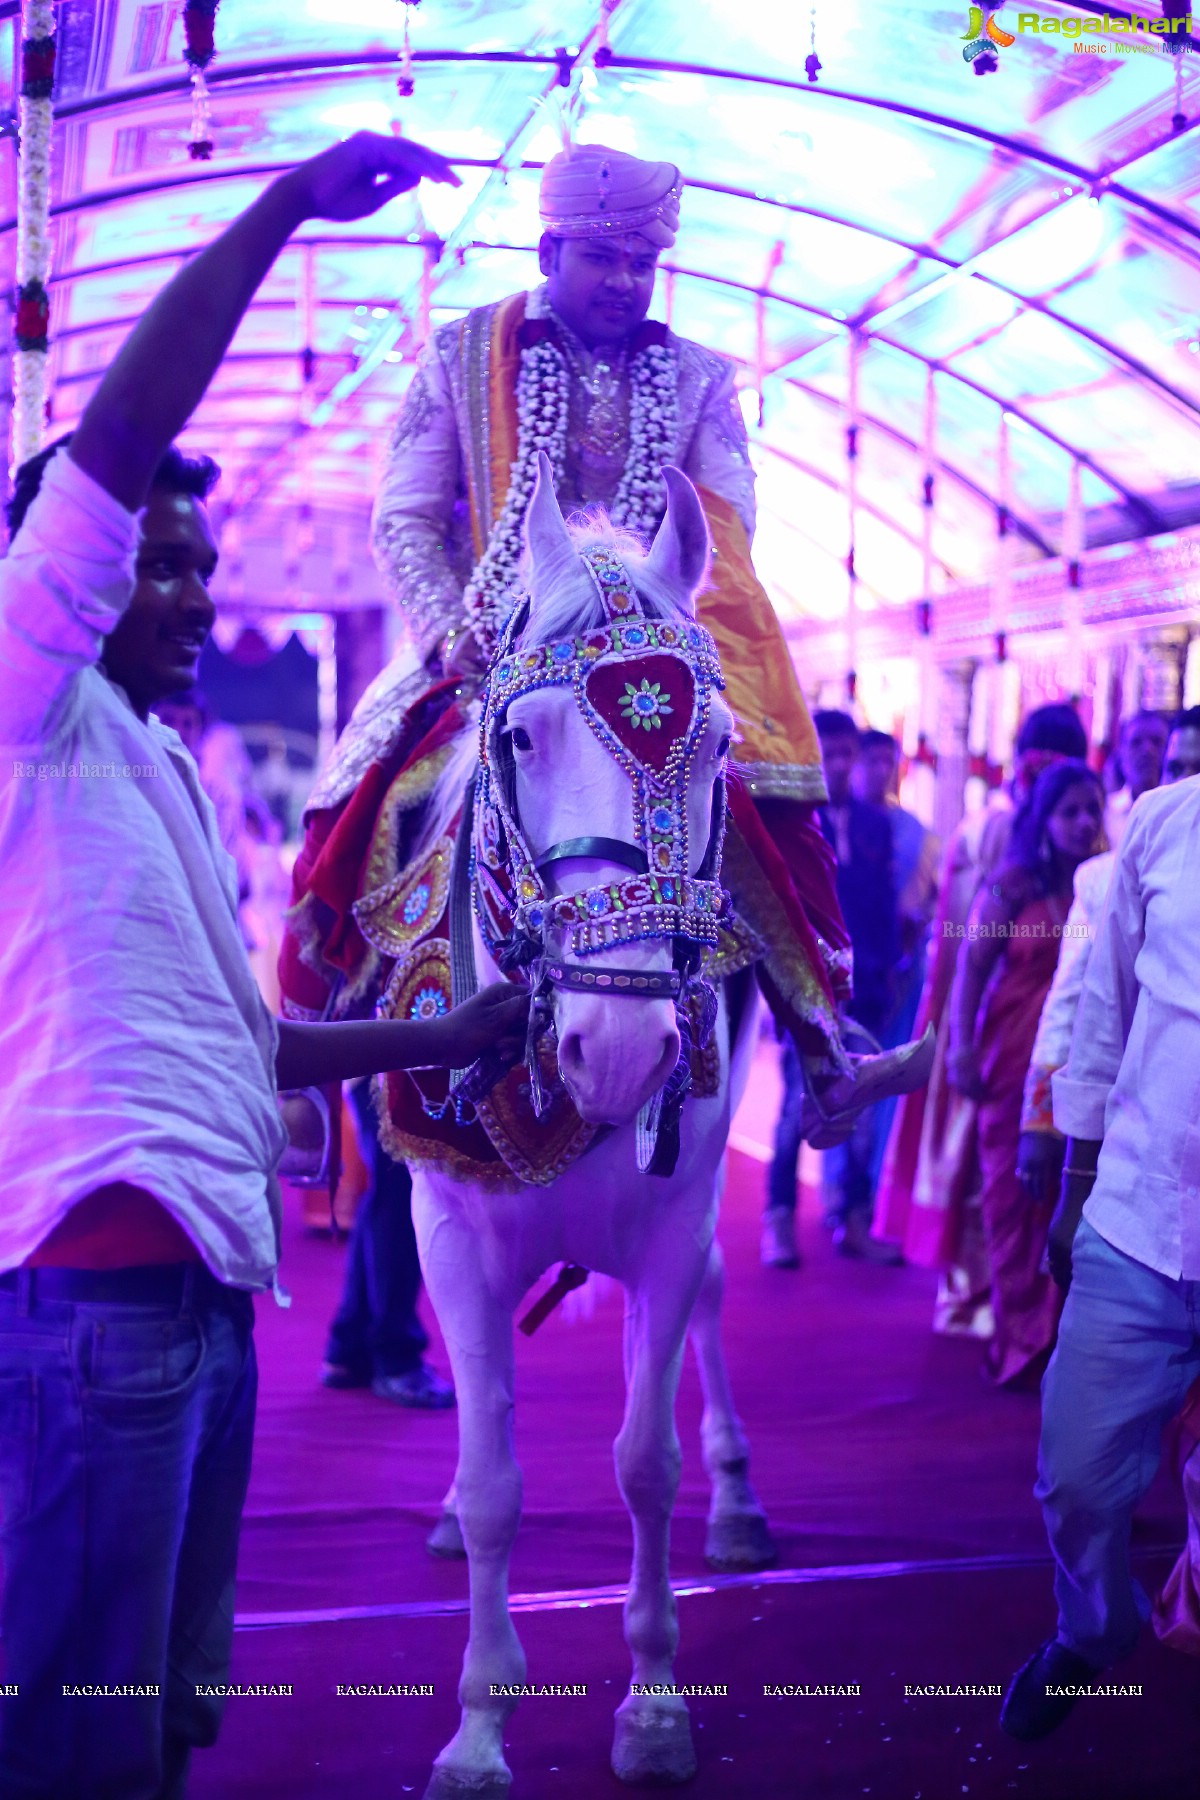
pixel 138 1200
pixel 576 370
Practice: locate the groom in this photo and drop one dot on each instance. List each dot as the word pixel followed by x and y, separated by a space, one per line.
pixel 576 369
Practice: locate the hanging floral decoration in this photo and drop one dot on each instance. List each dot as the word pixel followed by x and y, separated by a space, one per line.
pixel 812 62
pixel 406 81
pixel 199 28
pixel 602 54
pixel 543 402
pixel 32 299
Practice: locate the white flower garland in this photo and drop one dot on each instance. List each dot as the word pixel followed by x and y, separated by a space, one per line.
pixel 543 407
pixel 36 125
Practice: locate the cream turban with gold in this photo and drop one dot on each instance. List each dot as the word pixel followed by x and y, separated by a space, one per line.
pixel 589 191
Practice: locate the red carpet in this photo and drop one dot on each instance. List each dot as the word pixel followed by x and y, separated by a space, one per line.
pixel 874 1444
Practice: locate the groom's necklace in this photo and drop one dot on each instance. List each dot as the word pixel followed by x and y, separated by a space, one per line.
pixel 601 374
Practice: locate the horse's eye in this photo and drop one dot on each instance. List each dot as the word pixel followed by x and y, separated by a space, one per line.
pixel 723 748
pixel 521 739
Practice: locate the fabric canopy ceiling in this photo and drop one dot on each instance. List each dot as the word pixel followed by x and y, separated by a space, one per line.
pixel 1028 241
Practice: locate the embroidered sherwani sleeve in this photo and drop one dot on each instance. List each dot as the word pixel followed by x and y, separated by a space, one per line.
pixel 719 454
pixel 413 517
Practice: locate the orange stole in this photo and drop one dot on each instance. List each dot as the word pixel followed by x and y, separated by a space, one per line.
pixel 760 679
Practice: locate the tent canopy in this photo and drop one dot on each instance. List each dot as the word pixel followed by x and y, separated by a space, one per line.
pixel 1026 243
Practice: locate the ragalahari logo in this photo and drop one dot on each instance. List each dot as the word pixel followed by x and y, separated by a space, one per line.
pixel 984 37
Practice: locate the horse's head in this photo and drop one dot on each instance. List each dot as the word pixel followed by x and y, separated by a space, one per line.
pixel 605 749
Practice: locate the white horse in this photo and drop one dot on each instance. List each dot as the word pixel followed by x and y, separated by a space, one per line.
pixel 482 1250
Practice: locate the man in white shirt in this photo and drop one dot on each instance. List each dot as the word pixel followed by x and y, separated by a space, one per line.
pixel 1126 1237
pixel 138 1201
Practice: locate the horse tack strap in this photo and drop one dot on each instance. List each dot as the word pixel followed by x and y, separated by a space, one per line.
pixel 569 1277
pixel 637 984
pixel 629 856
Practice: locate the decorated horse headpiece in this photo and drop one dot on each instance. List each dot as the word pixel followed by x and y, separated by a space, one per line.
pixel 645 687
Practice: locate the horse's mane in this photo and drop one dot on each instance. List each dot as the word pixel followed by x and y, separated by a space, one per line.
pixel 575 608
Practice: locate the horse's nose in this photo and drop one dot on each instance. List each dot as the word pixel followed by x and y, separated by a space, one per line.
pixel 611 1075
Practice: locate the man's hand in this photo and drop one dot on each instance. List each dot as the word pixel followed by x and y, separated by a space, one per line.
pixel 1080 1162
pixel 354 179
pixel 465 658
pixel 1040 1163
pixel 162 370
pixel 1064 1223
pixel 494 1019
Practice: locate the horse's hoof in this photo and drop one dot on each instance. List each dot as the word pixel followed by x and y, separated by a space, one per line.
pixel 459 1784
pixel 446 1538
pixel 653 1747
pixel 741 1541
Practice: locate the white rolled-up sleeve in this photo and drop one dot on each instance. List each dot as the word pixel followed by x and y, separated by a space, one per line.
pixel 1108 1000
pixel 63 586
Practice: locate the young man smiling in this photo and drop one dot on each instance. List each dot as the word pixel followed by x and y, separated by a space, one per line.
pixel 138 1204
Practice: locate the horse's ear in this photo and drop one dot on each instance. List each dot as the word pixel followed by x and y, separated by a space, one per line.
pixel 552 554
pixel 681 548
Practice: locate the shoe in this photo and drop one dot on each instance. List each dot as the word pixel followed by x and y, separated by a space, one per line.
pixel 421 1387
pixel 778 1248
pixel 828 1116
pixel 852 1237
pixel 1029 1712
pixel 337 1375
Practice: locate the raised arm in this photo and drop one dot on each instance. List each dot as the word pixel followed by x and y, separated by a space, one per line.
pixel 165 365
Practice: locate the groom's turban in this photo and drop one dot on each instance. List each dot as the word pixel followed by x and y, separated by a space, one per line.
pixel 591 192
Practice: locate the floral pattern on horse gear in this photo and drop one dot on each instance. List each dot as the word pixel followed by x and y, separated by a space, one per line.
pixel 404 910
pixel 679 659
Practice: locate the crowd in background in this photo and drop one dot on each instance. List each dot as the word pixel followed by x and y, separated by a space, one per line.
pixel 986 942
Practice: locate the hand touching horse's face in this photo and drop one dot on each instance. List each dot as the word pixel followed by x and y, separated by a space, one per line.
pixel 614 1052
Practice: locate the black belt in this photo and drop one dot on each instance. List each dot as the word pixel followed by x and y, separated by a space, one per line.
pixel 153 1284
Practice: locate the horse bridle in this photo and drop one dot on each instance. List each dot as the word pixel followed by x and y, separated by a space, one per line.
pixel 660 898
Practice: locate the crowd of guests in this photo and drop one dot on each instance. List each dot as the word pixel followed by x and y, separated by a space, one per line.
pixel 1050 1170
pixel 961 1177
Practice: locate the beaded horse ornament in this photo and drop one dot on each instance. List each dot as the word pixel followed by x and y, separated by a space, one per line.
pixel 645 688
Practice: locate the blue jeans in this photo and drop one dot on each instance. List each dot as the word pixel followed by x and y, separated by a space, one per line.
pixel 1128 1350
pixel 785 1162
pixel 125 1439
pixel 377 1331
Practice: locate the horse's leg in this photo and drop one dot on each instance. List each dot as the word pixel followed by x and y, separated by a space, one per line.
pixel 487 1492
pixel 738 1535
pixel 653 1739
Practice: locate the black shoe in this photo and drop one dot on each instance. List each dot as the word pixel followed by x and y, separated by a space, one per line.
pixel 422 1387
pixel 1029 1712
pixel 342 1375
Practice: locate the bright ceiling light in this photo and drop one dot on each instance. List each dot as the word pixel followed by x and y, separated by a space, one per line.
pixel 359 115
pixel 380 13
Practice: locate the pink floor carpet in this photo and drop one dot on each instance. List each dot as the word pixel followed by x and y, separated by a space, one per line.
pixel 911 1552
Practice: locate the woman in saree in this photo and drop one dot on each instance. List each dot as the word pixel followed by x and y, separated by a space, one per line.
pixel 1014 935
